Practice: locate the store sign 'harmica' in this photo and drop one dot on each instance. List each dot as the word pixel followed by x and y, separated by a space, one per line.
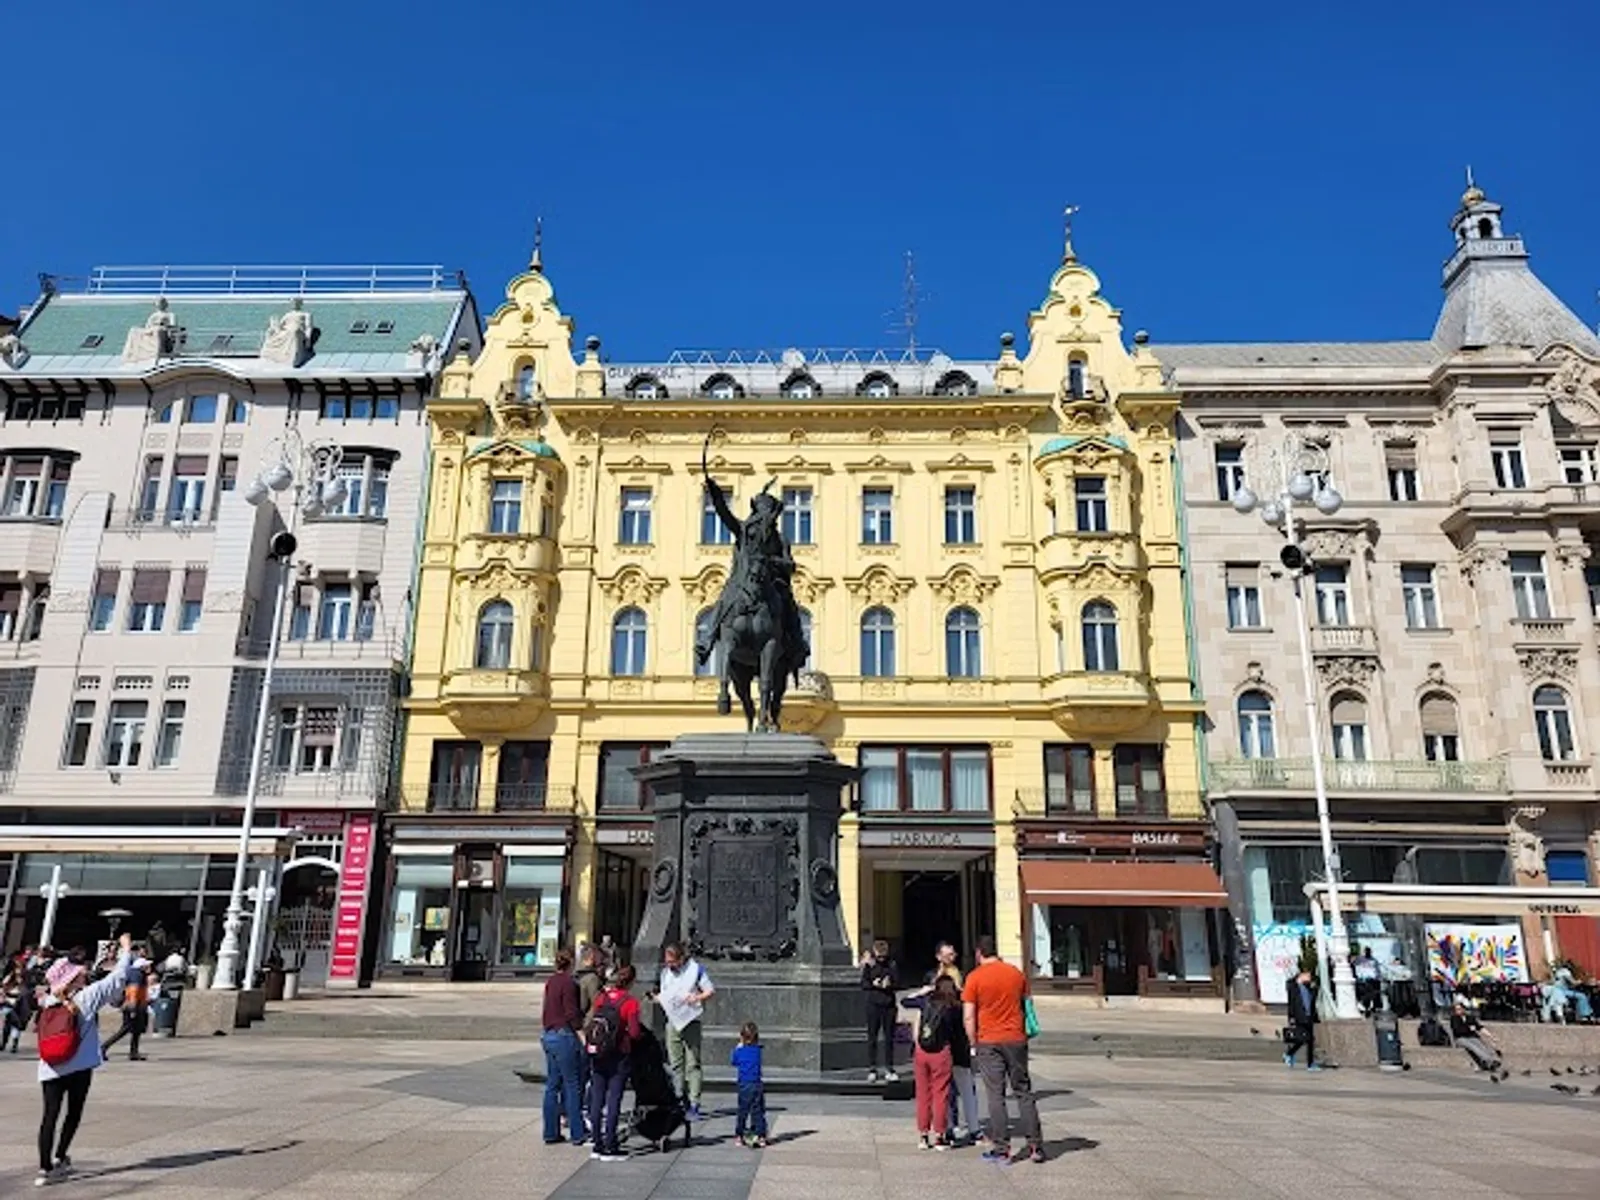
pixel 929 838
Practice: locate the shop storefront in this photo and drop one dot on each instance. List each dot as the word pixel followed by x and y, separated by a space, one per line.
pixel 467 904
pixel 923 883
pixel 1122 909
pixel 623 849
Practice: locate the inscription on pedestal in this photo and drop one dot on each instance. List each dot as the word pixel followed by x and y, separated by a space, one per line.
pixel 743 886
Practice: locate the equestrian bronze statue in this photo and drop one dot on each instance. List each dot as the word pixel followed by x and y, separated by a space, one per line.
pixel 754 632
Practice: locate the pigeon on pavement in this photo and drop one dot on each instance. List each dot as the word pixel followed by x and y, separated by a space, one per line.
pixel 1566 1089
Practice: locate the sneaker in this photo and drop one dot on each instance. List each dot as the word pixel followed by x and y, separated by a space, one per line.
pixel 44 1178
pixel 996 1153
pixel 941 1144
pixel 63 1167
pixel 1036 1154
pixel 758 1143
pixel 614 1156
pixel 872 1074
pixel 890 1077
pixel 693 1115
pixel 1314 1067
pixel 923 1142
pixel 1288 1061
pixel 595 1155
pixel 960 1134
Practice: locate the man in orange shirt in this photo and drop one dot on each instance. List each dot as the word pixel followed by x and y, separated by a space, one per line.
pixel 991 1004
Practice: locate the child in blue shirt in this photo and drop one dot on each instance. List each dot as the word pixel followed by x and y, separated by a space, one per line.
pixel 751 1128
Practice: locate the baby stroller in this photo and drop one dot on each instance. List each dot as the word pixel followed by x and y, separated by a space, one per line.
pixel 658 1109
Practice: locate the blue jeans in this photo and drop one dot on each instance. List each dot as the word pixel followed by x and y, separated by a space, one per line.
pixel 563 1084
pixel 752 1111
pixel 607 1081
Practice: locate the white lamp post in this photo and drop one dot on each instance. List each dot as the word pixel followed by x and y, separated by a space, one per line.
pixel 312 470
pixel 52 893
pixel 1295 473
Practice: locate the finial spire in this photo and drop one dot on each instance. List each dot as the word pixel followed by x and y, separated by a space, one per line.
pixel 1068 254
pixel 536 263
pixel 1474 193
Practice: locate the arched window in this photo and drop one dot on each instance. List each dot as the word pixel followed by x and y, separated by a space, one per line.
pixel 955 383
pixel 702 630
pixel 722 387
pixel 629 641
pixel 1100 637
pixel 810 637
pixel 1485 227
pixel 1441 735
pixel 1077 379
pixel 646 387
pixel 526 376
pixel 1256 737
pixel 494 636
pixel 877 387
pixel 1553 721
pixel 961 647
pixel 800 386
pixel 877 643
pixel 1348 716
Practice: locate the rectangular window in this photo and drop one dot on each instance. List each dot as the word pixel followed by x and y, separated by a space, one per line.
pixel 1230 470
pixel 307 739
pixel 378 489
pixel 523 770
pixel 1401 463
pixel 367 612
pixel 305 599
pixel 925 779
pixel 23 496
pixel 1244 596
pixel 147 601
pixel 1141 783
pixel 1591 582
pixel 104 605
pixel 186 497
pixel 960 516
pixel 227 480
pixel 1505 455
pixel 1422 601
pixel 619 790
pixel 194 594
pixel 1441 747
pixel 797 516
pixel 79 731
pixel 150 489
pixel 1529 587
pixel 712 531
pixel 1580 463
pixel 1093 515
pixel 1069 780
pixel 634 528
pixel 505 506
pixel 1333 595
pixel 877 517
pixel 335 617
pixel 125 733
pixel 55 501
pixel 202 410
pixel 10 609
pixel 453 777
pixel 171 737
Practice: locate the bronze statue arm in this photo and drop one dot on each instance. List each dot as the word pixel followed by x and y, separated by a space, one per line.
pixel 719 499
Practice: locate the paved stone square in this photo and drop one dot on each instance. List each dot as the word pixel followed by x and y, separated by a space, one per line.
pixel 250 1116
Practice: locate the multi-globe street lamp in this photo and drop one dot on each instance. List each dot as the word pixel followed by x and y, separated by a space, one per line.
pixel 1297 473
pixel 311 469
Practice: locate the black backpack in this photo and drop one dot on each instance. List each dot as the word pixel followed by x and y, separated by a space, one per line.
pixel 933 1035
pixel 1431 1033
pixel 602 1032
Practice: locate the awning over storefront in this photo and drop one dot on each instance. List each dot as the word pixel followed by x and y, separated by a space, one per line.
pixel 1122 884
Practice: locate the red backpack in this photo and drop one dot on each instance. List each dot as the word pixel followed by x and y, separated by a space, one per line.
pixel 58 1034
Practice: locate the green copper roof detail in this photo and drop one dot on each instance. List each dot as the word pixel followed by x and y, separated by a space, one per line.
pixel 1057 444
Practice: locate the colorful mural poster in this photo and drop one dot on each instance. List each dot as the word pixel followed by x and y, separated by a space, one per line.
pixel 1476 954
pixel 1278 957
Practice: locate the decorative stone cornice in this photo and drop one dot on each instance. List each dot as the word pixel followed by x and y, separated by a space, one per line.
pixel 1342 670
pixel 631 586
pixel 1476 560
pixel 960 462
pixel 1333 545
pixel 703 587
pixel 880 585
pixel 1548 664
pixel 877 464
pixel 962 585
pixel 1572 555
pixel 808 588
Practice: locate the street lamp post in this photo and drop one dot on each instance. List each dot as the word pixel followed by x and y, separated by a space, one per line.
pixel 312 471
pixel 1297 472
pixel 52 893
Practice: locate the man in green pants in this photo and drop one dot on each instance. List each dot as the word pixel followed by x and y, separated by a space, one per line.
pixel 685 988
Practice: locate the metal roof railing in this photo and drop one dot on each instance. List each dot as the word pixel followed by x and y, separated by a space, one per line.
pixel 267 280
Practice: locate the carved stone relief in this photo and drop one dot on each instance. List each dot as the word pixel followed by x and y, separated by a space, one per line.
pixel 1549 664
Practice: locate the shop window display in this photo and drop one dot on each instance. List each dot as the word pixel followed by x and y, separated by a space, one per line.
pixel 530 912
pixel 419 920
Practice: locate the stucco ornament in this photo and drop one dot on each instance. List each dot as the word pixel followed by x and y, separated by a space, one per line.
pixel 1527 848
pixel 1548 664
pixel 288 336
pixel 13 352
pixel 1575 390
pixel 148 342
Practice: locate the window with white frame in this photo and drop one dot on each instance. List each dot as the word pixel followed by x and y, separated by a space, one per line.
pixel 877 516
pixel 1244 595
pixel 336 613
pixel 1580 462
pixel 124 739
pixel 800 387
pixel 1348 716
pixel 505 506
pixel 308 738
pixel 1529 587
pixel 924 779
pixel 630 633
pixel 10 608
pixel 22 497
pixel 366 486
pixel 194 594
pixel 1078 378
pixel 170 738
pixel 526 379
pixel 80 731
pixel 103 607
pixel 495 624
pixel 37 484
pixel 1093 514
pixel 1100 649
pixel 1257 735
pixel 878 387
pixel 702 635
pixel 962 649
pixel 712 531
pixel 150 488
pixel 797 516
pixel 877 643
pixel 634 524
pixel 1229 458
pixel 1333 594
pixel 1441 733
pixel 186 496
pixel 1421 596
pixel 960 516
pixel 1401 465
pixel 1552 720
pixel 147 601
pixel 1505 456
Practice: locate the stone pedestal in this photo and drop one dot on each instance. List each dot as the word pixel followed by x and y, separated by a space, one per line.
pixel 745 874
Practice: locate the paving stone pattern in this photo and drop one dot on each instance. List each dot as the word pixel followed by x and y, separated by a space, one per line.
pixel 231 1118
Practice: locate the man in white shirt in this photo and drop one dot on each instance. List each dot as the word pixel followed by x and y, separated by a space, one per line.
pixel 685 987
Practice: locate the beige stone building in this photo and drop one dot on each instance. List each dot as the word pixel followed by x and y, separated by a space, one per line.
pixel 1453 607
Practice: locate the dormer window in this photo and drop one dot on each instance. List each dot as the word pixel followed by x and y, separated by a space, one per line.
pixel 955 383
pixel 1077 379
pixel 646 387
pixel 877 387
pixel 800 386
pixel 722 387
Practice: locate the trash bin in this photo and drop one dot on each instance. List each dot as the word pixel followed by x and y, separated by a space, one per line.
pixel 1386 1028
pixel 291 985
pixel 164 1008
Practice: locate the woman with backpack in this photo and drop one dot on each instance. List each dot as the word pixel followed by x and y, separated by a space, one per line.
pixel 608 1037
pixel 933 1060
pixel 69 1049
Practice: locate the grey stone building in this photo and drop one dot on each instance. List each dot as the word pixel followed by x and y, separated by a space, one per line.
pixel 1452 606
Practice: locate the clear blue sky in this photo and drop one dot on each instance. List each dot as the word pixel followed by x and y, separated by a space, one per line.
pixel 718 174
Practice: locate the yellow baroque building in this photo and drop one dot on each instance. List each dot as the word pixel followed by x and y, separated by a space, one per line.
pixel 990 561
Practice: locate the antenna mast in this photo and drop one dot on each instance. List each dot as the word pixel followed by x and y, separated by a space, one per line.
pixel 908 305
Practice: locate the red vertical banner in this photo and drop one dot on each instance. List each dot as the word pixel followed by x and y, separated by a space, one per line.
pixel 349 918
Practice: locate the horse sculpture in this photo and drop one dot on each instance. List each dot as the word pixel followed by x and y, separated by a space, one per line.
pixel 754 632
